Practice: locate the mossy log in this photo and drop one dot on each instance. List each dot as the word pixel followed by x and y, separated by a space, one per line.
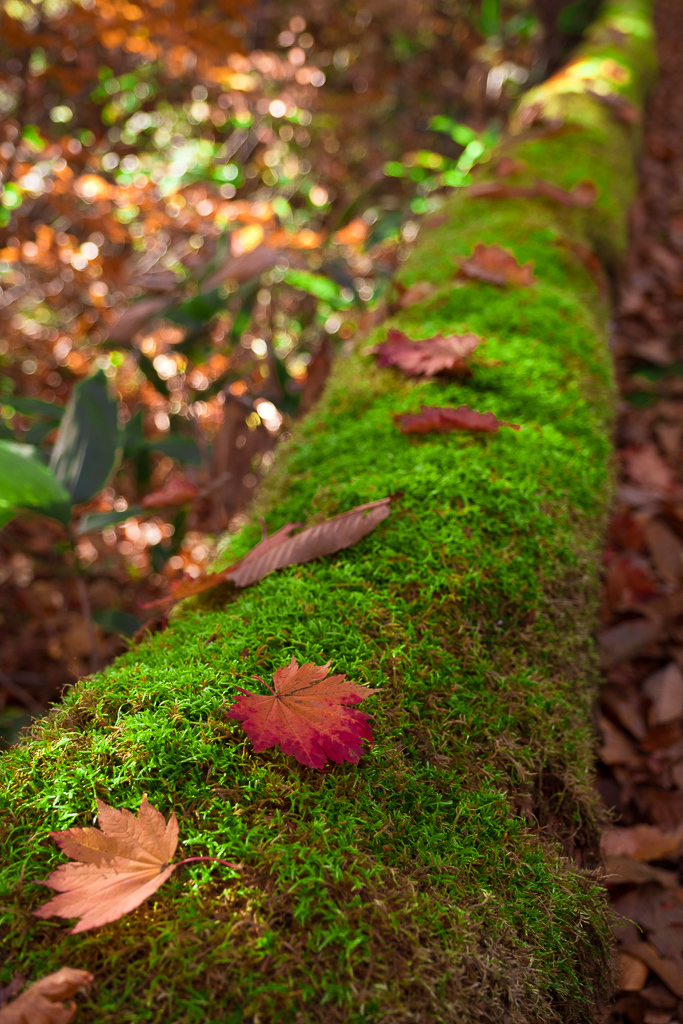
pixel 448 876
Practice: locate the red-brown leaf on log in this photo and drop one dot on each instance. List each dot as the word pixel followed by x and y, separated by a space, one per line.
pixel 281 549
pixel 306 714
pixel 427 357
pixel 494 265
pixel 445 419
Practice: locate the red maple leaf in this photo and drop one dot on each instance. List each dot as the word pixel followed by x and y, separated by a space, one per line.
pixel 444 419
pixel 305 714
pixel 495 265
pixel 427 356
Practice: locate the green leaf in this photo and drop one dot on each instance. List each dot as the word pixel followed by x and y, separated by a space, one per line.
pixel 26 483
pixel 317 285
pixel 111 620
pixel 147 367
pixel 38 431
pixel 85 450
pixel 100 520
pixel 184 449
pixel 132 437
pixel 35 407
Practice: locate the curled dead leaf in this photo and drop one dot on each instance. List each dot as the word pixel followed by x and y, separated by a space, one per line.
pixel 494 265
pixel 427 357
pixel 444 419
pixel 43 1001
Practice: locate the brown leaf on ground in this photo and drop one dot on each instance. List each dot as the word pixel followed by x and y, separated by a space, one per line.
pixel 631 973
pixel 641 842
pixel 244 267
pixel 508 165
pixel 280 550
pixel 647 469
pixel 445 419
pixel 665 549
pixel 494 265
pixel 623 870
pixel 115 869
pixel 133 319
pixel 669 972
pixel 427 357
pixel 665 690
pixel 43 1001
pixel 306 715
pixel 178 491
pixel 617 748
pixel 627 640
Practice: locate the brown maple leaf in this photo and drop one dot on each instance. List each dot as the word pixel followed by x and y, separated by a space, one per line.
pixel 116 868
pixel 428 356
pixel 444 419
pixel 281 549
pixel 43 1001
pixel 495 265
pixel 306 714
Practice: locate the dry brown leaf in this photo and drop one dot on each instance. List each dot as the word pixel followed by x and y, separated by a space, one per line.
pixel 494 265
pixel 440 419
pixel 617 748
pixel 43 1001
pixel 647 469
pixel 324 539
pixel 417 292
pixel 136 316
pixel 177 491
pixel 627 640
pixel 662 966
pixel 115 869
pixel 426 357
pixel 280 549
pixel 631 973
pixel 623 870
pixel 641 842
pixel 665 690
pixel 665 549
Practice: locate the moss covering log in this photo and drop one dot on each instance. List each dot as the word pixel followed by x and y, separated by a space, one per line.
pixel 447 876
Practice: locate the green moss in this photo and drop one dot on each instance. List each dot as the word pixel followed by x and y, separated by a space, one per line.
pixel 435 880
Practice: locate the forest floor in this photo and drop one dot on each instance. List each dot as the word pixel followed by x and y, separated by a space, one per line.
pixel 641 769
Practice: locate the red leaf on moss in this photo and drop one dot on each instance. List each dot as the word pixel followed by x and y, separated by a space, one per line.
pixel 280 549
pixel 583 194
pixel 178 491
pixel 495 265
pixel 428 356
pixel 445 419
pixel 307 715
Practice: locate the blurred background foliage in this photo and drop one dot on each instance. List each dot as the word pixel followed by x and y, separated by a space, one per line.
pixel 201 202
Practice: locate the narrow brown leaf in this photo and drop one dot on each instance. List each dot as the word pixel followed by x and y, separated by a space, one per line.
pixel 280 549
pixel 43 1001
pixel 622 870
pixel 427 356
pixel 324 539
pixel 494 265
pixel 445 419
pixel 627 640
pixel 177 491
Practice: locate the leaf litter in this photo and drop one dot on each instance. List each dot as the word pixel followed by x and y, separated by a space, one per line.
pixel 640 774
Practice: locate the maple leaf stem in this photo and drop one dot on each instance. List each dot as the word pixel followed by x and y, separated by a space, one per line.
pixel 265 684
pixel 216 860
